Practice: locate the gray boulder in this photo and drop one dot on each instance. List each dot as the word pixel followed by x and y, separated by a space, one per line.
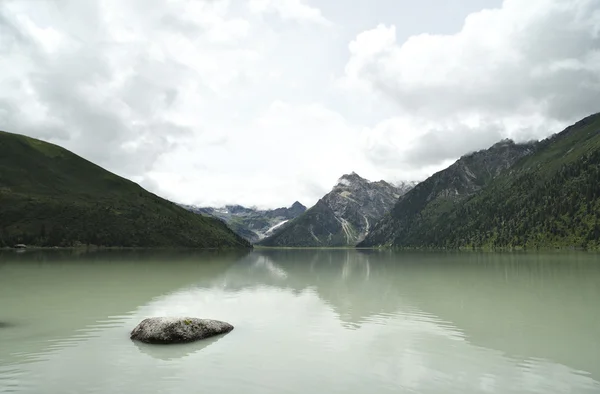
pixel 177 329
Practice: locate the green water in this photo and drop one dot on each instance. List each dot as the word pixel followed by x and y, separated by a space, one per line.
pixel 337 321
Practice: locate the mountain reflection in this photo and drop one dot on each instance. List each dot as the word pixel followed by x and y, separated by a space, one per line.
pixel 309 320
pixel 486 297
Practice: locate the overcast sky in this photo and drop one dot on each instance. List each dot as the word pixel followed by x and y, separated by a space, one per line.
pixel 264 102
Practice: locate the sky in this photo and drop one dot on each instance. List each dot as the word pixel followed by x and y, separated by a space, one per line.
pixel 267 102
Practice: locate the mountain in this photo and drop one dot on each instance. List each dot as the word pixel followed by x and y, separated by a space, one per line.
pixel 548 197
pixel 405 186
pixel 52 197
pixel 250 223
pixel 342 217
pixel 432 198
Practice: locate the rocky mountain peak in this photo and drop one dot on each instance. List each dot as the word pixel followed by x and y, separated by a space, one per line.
pixel 503 143
pixel 353 175
pixel 342 217
pixel 350 179
pixel 297 205
pixel 295 210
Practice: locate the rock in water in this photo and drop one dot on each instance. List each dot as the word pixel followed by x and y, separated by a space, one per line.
pixel 177 329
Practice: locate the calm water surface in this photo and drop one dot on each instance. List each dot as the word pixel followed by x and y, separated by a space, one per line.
pixel 306 322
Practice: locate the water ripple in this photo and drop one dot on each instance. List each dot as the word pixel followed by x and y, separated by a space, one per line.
pixel 312 324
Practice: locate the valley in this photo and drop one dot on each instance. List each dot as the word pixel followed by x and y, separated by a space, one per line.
pixel 538 194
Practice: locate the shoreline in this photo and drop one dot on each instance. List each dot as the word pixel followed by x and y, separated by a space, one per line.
pixel 415 249
pixel 556 249
pixel 92 248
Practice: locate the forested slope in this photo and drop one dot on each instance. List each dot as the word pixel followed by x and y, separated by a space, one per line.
pixel 52 197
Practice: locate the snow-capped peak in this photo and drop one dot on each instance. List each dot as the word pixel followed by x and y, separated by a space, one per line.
pixel 350 179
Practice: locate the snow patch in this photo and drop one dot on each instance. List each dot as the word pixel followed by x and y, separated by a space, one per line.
pixel 270 230
pixel 314 236
pixel 344 182
pixel 347 228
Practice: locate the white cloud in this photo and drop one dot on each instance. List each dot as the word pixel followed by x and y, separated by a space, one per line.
pixel 228 101
pixel 167 96
pixel 118 88
pixel 288 153
pixel 417 147
pixel 291 10
pixel 521 57
pixel 523 71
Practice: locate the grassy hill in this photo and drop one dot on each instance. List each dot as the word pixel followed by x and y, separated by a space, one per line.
pixel 52 197
pixel 550 198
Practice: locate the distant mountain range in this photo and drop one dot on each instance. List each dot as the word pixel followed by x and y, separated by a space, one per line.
pixel 52 197
pixel 343 217
pixel 536 194
pixel 250 223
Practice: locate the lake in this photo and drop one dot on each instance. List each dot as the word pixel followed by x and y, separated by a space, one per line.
pixel 306 321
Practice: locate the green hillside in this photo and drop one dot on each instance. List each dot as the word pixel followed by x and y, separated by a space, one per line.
pixel 52 197
pixel 441 193
pixel 550 198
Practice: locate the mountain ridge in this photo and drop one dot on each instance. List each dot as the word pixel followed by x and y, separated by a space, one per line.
pixel 50 196
pixel 547 198
pixel 441 191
